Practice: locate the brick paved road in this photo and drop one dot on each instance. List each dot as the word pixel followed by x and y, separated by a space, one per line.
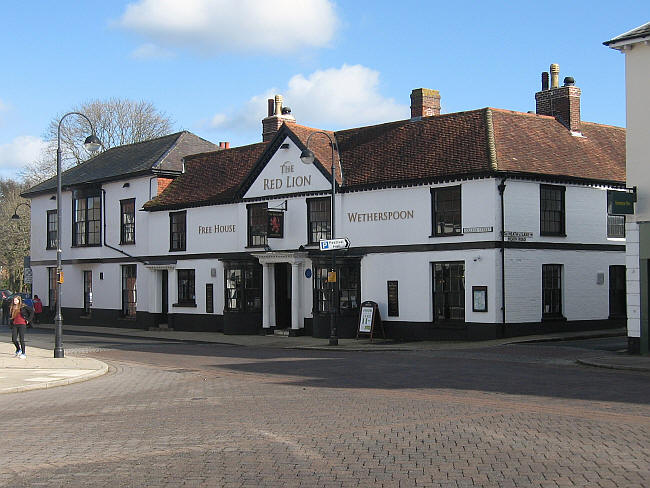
pixel 209 415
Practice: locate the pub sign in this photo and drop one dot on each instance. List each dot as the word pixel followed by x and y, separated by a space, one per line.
pixel 621 202
pixel 275 224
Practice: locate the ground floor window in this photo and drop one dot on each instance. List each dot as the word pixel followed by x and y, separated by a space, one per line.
pixel 348 274
pixel 129 293
pixel 209 298
pixel 243 286
pixel 551 290
pixel 51 296
pixel 617 290
pixel 186 295
pixel 449 291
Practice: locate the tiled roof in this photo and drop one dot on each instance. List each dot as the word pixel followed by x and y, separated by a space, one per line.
pixel 162 153
pixel 637 33
pixel 457 145
pixel 212 177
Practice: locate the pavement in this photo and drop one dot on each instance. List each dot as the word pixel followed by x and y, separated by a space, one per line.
pixel 40 370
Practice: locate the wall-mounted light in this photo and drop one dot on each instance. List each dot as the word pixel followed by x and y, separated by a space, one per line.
pixel 126 185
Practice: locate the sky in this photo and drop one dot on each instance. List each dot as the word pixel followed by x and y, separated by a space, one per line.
pixel 210 65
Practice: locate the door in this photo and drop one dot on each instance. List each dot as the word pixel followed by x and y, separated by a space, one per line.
pixel 283 295
pixel 617 298
pixel 88 291
pixel 164 297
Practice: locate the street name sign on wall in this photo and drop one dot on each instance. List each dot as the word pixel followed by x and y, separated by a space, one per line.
pixel 333 244
pixel 517 236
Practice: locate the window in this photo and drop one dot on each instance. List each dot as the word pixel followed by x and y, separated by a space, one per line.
pixel 177 233
pixel 551 210
pixel 186 287
pixel 127 221
pixel 617 299
pixel 209 298
pixel 243 282
pixel 129 293
pixel 51 295
pixel 51 229
pixel 551 291
pixel 318 219
pixel 448 291
pixel 446 211
pixel 348 275
pixel 87 221
pixel 615 223
pixel 257 225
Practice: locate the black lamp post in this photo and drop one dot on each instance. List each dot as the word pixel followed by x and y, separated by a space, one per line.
pixel 92 144
pixel 307 157
pixel 15 216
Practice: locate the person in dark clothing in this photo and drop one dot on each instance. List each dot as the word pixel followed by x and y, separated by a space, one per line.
pixel 20 315
pixel 6 306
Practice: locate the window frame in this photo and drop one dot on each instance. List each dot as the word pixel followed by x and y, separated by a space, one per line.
pixel 129 271
pixel 452 297
pixel 311 221
pixel 545 211
pixel 188 296
pixel 81 228
pixel 245 293
pixel 51 243
pixel 177 236
pixel 556 310
pixel 348 274
pixel 439 214
pixel 124 225
pixel 256 239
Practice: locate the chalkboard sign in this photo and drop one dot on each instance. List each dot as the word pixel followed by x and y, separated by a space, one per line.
pixel 369 320
pixel 393 299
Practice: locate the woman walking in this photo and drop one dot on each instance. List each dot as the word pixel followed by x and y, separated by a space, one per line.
pixel 20 315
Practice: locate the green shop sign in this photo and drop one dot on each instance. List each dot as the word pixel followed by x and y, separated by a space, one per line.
pixel 621 202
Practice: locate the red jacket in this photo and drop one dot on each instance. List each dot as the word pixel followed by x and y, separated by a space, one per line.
pixel 38 306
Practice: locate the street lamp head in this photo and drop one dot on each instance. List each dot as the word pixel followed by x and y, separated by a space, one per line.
pixel 307 156
pixel 92 143
pixel 15 216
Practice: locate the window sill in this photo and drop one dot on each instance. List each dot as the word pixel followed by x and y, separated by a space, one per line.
pixel 177 250
pixel 551 235
pixel 86 245
pixel 127 243
pixel 262 247
pixel 446 235
pixel 185 304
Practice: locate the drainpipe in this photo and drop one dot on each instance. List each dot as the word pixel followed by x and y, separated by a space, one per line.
pixel 502 189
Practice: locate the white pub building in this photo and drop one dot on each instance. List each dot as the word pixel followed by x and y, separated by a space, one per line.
pixel 470 225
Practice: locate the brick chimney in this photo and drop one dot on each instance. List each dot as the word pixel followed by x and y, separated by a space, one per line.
pixel 561 102
pixel 424 102
pixel 277 115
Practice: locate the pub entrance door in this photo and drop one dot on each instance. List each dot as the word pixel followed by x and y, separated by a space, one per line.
pixel 282 272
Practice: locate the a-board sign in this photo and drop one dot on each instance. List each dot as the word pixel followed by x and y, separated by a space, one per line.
pixel 370 320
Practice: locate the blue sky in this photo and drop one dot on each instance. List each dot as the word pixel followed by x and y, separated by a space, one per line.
pixel 211 64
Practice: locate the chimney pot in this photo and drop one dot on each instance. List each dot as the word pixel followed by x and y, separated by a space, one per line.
pixel 555 75
pixel 544 80
pixel 271 107
pixel 569 81
pixel 278 105
pixel 226 145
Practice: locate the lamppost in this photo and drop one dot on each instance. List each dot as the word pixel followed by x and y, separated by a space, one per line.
pixel 92 144
pixel 307 157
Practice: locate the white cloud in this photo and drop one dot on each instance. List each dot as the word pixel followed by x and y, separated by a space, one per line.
pixel 151 51
pixel 18 153
pixel 333 98
pixel 212 26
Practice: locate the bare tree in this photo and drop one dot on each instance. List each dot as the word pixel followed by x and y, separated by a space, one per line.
pixel 14 233
pixel 116 121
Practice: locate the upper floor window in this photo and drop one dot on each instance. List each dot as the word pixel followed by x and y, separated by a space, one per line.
pixel 51 229
pixel 551 210
pixel 615 223
pixel 446 211
pixel 257 223
pixel 318 219
pixel 87 221
pixel 127 221
pixel 177 234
